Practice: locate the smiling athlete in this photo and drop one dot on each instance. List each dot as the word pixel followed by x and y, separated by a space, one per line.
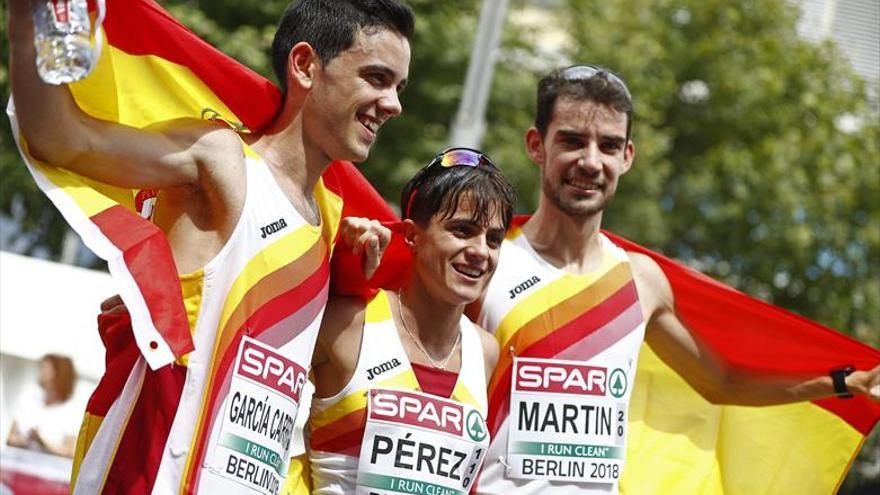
pixel 400 379
pixel 570 310
pixel 250 234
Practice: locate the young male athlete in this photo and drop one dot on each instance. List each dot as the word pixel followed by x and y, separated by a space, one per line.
pixel 250 236
pixel 400 378
pixel 570 309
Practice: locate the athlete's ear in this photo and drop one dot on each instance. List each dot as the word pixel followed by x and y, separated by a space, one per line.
pixel 302 64
pixel 535 146
pixel 411 233
pixel 629 154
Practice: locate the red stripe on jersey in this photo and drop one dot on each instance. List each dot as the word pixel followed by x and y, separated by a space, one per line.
pixel 558 341
pixel 294 300
pixel 343 435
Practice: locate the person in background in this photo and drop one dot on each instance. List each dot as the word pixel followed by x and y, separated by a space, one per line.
pixel 48 423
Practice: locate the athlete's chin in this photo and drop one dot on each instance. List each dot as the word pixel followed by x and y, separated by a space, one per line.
pixel 466 293
pixel 579 207
pixel 355 150
pixel 358 154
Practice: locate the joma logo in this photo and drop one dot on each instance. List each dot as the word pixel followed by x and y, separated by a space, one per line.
pixel 272 228
pixel 382 368
pixel 519 289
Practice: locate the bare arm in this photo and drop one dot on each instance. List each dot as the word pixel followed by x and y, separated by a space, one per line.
pixel 707 372
pixel 65 448
pixel 60 134
pixel 338 346
pixel 16 437
pixel 490 351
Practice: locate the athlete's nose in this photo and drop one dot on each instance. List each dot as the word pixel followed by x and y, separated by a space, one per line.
pixel 590 159
pixel 390 104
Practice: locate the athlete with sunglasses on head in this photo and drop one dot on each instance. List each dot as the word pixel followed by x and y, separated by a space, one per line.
pixel 400 379
pixel 570 310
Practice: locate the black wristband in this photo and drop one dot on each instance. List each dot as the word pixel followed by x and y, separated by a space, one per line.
pixel 838 378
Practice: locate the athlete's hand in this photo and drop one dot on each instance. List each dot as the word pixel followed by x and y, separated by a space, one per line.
pixel 865 382
pixel 113 305
pixel 366 237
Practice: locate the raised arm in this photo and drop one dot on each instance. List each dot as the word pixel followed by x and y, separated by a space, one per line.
pixel 60 134
pixel 710 375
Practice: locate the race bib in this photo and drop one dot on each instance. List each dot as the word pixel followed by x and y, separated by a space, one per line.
pixel 420 444
pixel 257 425
pixel 568 420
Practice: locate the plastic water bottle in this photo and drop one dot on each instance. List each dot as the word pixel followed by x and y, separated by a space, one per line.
pixel 61 37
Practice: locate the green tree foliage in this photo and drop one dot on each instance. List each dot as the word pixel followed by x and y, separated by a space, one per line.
pixel 745 167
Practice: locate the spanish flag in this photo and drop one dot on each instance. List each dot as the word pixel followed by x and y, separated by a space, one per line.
pixel 154 69
pixel 680 443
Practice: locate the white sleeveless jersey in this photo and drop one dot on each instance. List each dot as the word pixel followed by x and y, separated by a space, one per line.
pixel 337 423
pixel 559 395
pixel 255 310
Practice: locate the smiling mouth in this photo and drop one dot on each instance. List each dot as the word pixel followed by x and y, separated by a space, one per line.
pixel 369 123
pixel 469 271
pixel 583 184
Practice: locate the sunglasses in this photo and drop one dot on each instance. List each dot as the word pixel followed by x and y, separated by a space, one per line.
pixel 451 157
pixel 586 71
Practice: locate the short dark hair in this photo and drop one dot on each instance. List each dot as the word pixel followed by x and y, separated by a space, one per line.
pixel 331 27
pixel 604 88
pixel 438 191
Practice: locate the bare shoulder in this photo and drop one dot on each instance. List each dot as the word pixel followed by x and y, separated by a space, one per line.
pixel 643 265
pixel 490 348
pixel 655 294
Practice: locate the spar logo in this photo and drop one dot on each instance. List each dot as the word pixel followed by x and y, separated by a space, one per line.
pixel 534 375
pixel 617 383
pixel 416 410
pixel 268 368
pixel 476 426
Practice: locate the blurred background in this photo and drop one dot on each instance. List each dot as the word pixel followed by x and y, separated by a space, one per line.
pixel 757 137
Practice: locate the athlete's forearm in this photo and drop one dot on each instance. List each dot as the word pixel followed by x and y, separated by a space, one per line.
pixel 762 389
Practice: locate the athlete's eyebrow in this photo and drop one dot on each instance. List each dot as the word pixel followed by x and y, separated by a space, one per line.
pixel 571 133
pixel 614 138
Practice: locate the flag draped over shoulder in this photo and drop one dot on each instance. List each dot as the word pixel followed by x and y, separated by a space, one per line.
pixel 153 69
pixel 679 443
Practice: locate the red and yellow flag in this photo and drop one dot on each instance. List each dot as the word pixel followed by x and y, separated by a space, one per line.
pixel 153 69
pixel 680 443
